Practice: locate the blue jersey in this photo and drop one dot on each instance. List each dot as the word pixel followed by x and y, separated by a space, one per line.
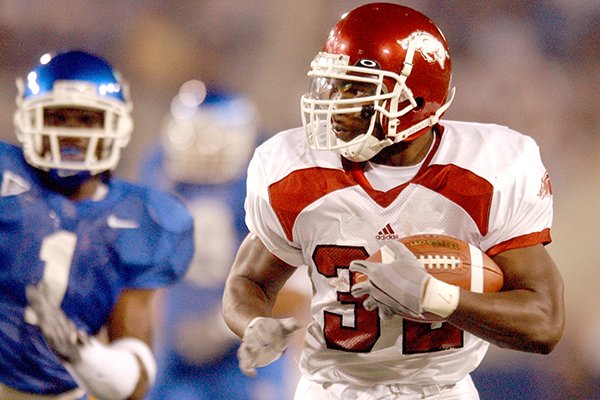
pixel 218 212
pixel 88 252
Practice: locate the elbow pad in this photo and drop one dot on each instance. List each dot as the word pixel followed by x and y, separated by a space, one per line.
pixel 112 372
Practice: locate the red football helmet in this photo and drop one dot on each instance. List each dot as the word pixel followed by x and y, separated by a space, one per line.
pixel 382 63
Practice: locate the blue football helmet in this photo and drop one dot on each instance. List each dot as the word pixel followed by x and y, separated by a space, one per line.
pixel 80 81
pixel 208 136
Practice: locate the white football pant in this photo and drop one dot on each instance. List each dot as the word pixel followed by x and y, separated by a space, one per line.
pixel 462 390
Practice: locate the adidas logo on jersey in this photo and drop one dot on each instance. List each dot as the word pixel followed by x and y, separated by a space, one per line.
pixel 387 233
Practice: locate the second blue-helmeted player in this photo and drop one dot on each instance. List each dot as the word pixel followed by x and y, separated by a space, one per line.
pixel 207 140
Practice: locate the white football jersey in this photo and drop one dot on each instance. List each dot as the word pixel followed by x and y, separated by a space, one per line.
pixel 481 183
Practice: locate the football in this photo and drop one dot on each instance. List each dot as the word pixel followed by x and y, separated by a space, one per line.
pixel 449 259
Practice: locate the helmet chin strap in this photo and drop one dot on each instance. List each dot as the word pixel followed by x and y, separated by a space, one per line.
pixel 365 149
pixel 407 67
pixel 434 119
pixel 401 84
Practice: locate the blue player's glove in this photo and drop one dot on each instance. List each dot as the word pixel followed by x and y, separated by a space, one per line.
pixel 61 334
pixel 106 372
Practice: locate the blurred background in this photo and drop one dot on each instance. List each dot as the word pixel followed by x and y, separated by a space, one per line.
pixel 531 65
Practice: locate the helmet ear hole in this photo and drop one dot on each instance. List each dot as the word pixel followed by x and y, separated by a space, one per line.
pixel 420 103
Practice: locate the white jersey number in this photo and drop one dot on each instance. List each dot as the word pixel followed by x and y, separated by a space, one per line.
pixel 56 252
pixel 366 330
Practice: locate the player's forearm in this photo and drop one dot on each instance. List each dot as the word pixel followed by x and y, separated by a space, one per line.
pixel 254 282
pixel 244 300
pixel 517 319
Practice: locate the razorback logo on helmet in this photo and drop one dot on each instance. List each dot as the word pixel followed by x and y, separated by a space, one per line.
pixel 546 186
pixel 428 45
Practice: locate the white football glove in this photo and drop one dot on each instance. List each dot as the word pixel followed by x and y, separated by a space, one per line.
pixel 61 334
pixel 265 340
pixel 399 284
pixel 384 311
pixel 404 286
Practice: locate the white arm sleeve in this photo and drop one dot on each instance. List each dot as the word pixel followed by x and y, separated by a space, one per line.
pixel 261 219
pixel 112 372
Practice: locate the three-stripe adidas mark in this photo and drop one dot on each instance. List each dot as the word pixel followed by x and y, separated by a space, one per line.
pixel 387 233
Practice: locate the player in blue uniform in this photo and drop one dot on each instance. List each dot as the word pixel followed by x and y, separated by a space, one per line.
pixel 81 252
pixel 206 144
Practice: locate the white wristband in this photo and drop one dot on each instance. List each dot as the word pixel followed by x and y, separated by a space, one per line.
pixel 440 298
pixel 142 351
pixel 112 372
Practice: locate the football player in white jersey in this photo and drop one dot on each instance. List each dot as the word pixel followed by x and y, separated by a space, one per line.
pixel 373 154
